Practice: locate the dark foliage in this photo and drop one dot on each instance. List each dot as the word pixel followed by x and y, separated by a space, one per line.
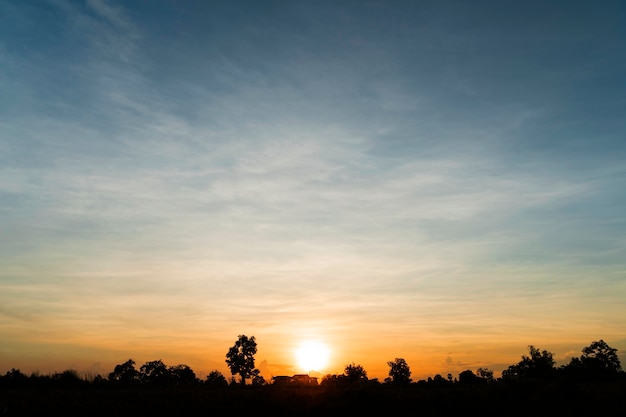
pixel 215 379
pixel 599 361
pixel 355 372
pixel 155 373
pixel 182 375
pixel 399 372
pixel 539 365
pixel 240 358
pixel 124 373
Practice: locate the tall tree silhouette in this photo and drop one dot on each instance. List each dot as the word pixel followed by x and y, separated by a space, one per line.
pixel 240 358
pixel 399 371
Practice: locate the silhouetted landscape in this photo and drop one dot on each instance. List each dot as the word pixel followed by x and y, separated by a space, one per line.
pixel 407 202
pixel 590 384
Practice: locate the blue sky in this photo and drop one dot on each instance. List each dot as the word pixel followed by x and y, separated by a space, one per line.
pixel 447 175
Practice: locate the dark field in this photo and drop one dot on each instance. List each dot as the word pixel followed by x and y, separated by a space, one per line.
pixel 510 399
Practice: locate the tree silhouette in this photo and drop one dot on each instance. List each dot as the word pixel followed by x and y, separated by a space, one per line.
pixel 14 378
pixel 539 365
pixel 256 377
pixel 485 374
pixel 240 358
pixel 216 379
pixel 399 371
pixel 467 377
pixel 333 380
pixel 124 373
pixel 600 356
pixel 598 361
pixel 154 373
pixel 182 375
pixel 438 379
pixel 355 372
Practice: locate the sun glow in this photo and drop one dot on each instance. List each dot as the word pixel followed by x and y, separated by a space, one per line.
pixel 312 356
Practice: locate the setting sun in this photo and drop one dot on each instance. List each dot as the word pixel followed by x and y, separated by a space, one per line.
pixel 312 356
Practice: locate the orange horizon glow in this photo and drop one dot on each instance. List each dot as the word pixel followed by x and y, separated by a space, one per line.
pixel 275 358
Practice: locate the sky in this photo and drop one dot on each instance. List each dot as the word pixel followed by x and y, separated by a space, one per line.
pixel 441 181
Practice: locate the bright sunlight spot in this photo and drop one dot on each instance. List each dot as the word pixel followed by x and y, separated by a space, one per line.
pixel 312 356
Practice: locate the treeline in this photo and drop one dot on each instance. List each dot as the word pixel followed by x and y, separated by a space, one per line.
pixel 151 374
pixel 598 362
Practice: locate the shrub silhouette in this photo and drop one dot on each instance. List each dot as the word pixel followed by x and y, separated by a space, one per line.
pixel 215 379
